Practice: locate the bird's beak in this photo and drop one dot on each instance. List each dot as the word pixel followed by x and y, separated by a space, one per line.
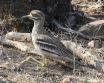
pixel 27 16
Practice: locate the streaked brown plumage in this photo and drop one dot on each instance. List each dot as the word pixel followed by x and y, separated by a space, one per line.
pixel 45 43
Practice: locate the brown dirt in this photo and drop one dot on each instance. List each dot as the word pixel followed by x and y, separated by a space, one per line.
pixel 33 73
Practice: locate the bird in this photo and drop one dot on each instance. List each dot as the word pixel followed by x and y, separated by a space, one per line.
pixel 45 43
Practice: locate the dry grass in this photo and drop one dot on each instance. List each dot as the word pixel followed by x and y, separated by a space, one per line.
pixel 53 73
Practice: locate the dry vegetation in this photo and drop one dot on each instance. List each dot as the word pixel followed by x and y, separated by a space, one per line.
pixel 84 16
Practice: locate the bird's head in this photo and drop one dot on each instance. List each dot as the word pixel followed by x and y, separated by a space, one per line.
pixel 35 15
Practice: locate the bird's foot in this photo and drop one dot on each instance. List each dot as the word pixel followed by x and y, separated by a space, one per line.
pixel 31 59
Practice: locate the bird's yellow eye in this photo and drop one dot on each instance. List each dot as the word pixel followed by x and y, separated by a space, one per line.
pixel 33 14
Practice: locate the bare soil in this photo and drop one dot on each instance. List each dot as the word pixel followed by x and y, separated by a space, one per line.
pixel 33 73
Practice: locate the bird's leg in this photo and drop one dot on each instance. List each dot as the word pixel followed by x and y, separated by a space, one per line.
pixel 35 60
pixel 44 63
pixel 26 60
pixel 22 62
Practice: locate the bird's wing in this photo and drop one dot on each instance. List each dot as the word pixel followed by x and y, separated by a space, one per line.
pixel 47 45
pixel 52 45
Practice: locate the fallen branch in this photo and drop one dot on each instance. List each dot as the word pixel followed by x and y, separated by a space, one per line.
pixel 24 37
pixel 75 49
pixel 69 30
pixel 84 55
pixel 83 28
pixel 94 24
pixel 19 45
pixel 94 28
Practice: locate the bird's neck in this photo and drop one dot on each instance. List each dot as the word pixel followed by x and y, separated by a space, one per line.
pixel 38 27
